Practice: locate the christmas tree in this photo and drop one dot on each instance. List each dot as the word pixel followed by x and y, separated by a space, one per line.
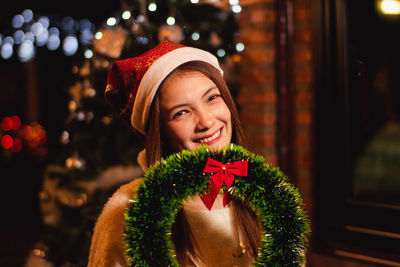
pixel 97 152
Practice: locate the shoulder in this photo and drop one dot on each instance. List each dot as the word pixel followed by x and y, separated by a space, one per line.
pixel 107 247
pixel 120 198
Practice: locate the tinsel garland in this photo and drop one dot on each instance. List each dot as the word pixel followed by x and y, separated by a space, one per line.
pixel 167 183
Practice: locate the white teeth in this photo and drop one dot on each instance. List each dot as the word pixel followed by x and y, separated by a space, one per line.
pixel 209 139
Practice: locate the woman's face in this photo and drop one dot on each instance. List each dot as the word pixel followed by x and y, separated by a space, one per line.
pixel 193 112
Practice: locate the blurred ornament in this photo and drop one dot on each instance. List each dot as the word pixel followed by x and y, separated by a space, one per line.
pixel 64 138
pixel 16 122
pixel 89 92
pixel 111 41
pixel 72 106
pixel 7 141
pixel 37 257
pixel 106 120
pixel 74 162
pixel 80 116
pixel 215 41
pixel 172 33
pixel 17 145
pixel 6 124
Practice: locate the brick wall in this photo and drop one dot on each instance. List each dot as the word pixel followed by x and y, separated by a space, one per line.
pixel 303 95
pixel 258 95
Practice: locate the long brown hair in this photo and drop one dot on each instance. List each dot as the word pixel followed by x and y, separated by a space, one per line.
pixel 244 219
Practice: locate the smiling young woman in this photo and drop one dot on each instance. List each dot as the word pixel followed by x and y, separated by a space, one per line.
pixel 193 105
pixel 175 98
pixel 158 139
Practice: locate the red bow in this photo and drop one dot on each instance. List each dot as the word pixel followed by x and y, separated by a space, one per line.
pixel 223 173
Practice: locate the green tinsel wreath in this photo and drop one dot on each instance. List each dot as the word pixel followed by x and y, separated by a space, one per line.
pixel 169 182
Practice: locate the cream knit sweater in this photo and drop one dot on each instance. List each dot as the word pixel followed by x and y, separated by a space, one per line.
pixel 212 230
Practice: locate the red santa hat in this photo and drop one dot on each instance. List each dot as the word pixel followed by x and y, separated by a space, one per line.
pixel 132 83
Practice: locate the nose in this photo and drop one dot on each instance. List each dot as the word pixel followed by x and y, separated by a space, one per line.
pixel 205 120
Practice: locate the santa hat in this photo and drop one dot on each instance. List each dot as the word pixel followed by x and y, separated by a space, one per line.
pixel 132 83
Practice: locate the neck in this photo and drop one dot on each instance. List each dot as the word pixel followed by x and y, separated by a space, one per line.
pixel 195 203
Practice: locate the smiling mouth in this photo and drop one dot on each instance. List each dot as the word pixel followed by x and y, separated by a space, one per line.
pixel 211 138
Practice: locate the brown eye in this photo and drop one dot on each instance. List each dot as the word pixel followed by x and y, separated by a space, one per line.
pixel 213 97
pixel 179 113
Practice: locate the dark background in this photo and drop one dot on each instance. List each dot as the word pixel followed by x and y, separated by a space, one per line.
pixel 22 174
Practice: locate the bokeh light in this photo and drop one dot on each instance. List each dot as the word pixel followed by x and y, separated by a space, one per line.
pixel 26 51
pixel 195 36
pixel 9 40
pixel 170 21
pixel 85 24
pixel 236 8
pixel 17 21
pixel 19 37
pixel 70 45
pixel 98 35
pixel 111 21
pixel 28 15
pixel 29 37
pixel 7 141
pixel 17 145
pixel 126 14
pixel 239 47
pixel 6 50
pixel 86 36
pixel 37 28
pixel 42 38
pixel 45 21
pixel 16 122
pixel 152 7
pixel 6 124
pixel 390 7
pixel 88 53
pixel 221 52
pixel 53 43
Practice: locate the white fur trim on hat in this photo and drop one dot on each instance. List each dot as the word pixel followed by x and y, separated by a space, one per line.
pixel 157 72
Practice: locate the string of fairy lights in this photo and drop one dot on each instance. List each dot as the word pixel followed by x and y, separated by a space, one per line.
pixel 29 31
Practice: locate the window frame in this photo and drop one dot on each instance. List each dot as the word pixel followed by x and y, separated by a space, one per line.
pixel 343 227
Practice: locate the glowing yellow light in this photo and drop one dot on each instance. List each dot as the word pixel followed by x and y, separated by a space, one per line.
pixel 152 7
pixel 170 21
pixel 98 35
pixel 111 21
pixel 390 7
pixel 126 14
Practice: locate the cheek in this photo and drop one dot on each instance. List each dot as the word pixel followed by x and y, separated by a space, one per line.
pixel 225 114
pixel 176 134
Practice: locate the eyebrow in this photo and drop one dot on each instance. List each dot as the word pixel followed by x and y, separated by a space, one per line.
pixel 213 87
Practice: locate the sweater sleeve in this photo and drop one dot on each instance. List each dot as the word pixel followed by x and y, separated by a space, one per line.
pixel 107 248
